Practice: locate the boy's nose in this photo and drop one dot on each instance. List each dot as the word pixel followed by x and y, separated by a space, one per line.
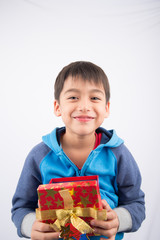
pixel 84 105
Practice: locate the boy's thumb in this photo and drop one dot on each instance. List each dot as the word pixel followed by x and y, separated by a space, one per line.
pixel 106 205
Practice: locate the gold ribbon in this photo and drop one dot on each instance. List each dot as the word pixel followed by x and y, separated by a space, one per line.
pixel 70 214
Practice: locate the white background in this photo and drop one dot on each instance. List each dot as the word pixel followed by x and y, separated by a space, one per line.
pixel 37 39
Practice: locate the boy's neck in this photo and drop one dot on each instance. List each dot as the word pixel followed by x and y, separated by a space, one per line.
pixel 76 141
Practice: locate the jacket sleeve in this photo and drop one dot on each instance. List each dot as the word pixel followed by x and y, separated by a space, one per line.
pixel 25 199
pixel 131 197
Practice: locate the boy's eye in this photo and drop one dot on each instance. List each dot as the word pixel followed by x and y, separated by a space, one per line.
pixel 73 98
pixel 95 98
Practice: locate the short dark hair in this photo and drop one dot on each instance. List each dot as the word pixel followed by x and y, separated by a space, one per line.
pixel 87 71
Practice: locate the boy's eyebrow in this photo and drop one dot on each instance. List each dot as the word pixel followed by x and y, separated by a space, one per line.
pixel 71 90
pixel 77 90
pixel 97 91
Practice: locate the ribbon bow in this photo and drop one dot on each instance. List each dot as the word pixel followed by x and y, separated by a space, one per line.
pixel 70 214
pixel 65 216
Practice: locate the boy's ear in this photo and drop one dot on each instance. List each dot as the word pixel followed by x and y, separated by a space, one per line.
pixel 107 110
pixel 57 111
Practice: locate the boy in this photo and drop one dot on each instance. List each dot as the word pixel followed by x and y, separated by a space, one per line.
pixel 82 148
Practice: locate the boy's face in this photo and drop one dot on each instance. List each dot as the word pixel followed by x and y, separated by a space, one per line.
pixel 82 106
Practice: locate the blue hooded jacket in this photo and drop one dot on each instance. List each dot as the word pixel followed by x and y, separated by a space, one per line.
pixel 119 176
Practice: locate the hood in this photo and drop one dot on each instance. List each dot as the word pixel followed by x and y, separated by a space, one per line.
pixel 109 138
pixel 52 140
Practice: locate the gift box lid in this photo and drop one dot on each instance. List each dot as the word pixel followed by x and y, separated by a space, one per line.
pixel 74 179
pixel 68 181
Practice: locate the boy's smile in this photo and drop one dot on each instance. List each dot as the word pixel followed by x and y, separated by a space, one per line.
pixel 83 118
pixel 82 106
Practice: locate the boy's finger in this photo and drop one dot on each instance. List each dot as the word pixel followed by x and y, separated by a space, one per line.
pixel 46 235
pixel 42 227
pixel 111 238
pixel 107 225
pixel 100 224
pixel 109 233
pixel 111 215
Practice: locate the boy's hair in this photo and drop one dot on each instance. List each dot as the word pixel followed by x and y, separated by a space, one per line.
pixel 87 71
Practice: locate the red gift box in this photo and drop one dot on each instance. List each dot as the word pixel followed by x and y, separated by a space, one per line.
pixel 78 197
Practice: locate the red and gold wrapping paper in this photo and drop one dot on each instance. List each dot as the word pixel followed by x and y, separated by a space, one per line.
pixel 75 194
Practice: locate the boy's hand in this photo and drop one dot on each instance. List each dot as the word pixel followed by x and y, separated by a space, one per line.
pixel 42 231
pixel 107 228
